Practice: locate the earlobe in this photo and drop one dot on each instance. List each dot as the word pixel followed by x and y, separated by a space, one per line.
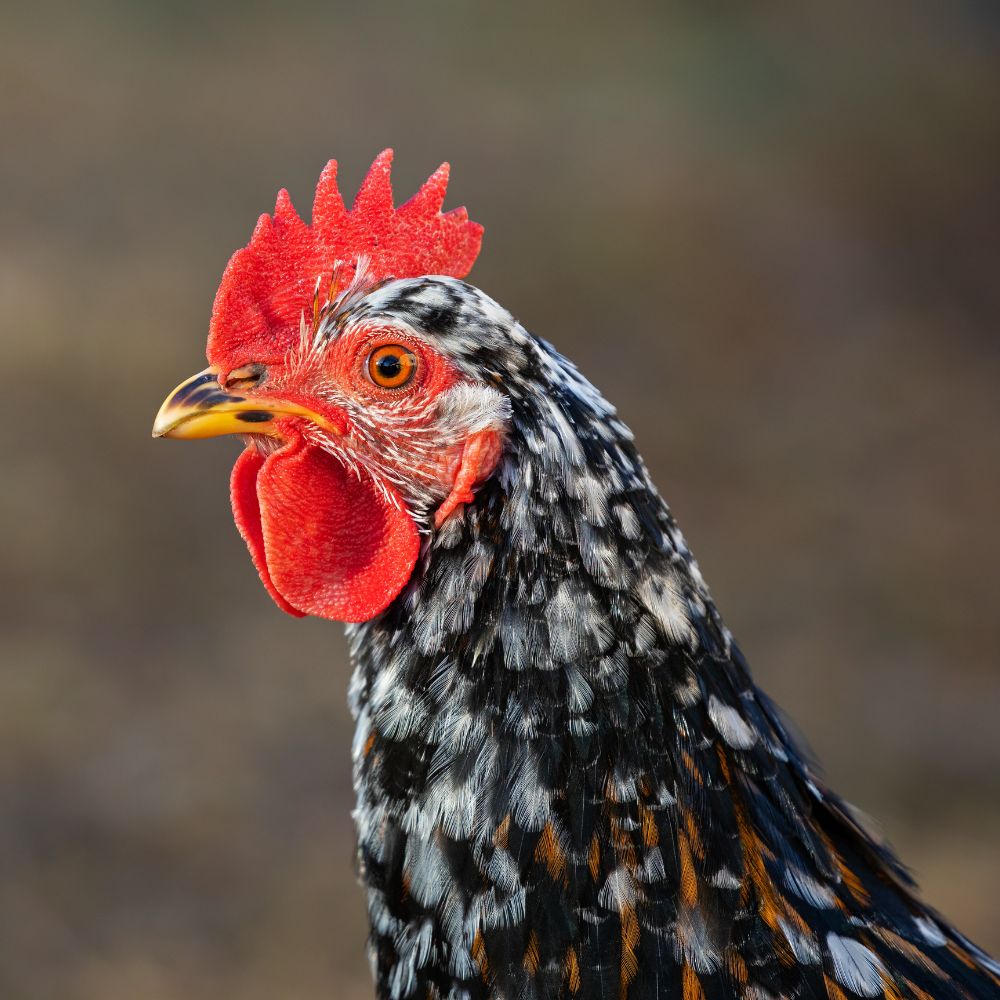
pixel 480 456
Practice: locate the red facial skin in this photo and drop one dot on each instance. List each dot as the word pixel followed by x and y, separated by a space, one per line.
pixel 325 540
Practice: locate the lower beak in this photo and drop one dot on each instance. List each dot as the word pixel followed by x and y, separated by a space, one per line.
pixel 200 408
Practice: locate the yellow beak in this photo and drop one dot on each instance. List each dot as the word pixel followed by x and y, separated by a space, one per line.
pixel 200 408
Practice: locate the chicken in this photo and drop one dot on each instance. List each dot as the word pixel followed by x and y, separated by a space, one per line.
pixel 567 783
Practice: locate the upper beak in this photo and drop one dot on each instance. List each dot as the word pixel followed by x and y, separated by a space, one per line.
pixel 200 408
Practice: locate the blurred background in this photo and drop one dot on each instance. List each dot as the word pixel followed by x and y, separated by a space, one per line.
pixel 770 233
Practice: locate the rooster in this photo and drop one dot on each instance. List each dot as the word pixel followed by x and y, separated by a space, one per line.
pixel 567 782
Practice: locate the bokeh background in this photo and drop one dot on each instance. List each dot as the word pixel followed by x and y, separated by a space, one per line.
pixel 769 232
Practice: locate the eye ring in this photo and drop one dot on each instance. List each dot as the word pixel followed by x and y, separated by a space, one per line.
pixel 391 366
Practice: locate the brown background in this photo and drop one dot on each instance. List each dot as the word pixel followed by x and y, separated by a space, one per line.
pixel 769 232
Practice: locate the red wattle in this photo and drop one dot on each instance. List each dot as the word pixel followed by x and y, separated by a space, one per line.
pixel 325 542
pixel 246 511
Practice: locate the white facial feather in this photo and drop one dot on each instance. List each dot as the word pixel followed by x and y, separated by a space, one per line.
pixel 469 407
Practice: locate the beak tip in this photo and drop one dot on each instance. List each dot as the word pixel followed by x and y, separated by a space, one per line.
pixel 161 427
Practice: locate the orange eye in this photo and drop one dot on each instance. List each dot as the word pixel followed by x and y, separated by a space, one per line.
pixel 392 366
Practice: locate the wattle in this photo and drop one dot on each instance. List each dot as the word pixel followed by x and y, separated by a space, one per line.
pixel 325 542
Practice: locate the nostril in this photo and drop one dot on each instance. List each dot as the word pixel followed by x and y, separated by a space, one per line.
pixel 245 377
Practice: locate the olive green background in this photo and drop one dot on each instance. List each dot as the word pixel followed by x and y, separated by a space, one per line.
pixel 770 232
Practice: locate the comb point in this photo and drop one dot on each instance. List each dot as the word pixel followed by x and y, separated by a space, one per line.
pixel 375 193
pixel 430 197
pixel 328 204
pixel 284 210
pixel 262 231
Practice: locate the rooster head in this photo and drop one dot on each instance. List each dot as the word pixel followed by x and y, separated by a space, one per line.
pixel 361 434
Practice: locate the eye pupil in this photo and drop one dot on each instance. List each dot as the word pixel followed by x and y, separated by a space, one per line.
pixel 391 367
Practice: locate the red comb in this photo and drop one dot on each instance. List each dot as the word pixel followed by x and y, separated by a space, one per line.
pixel 269 283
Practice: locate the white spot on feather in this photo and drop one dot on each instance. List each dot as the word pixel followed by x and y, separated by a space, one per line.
pixel 725 879
pixel 730 724
pixel 618 891
pixel 855 967
pixel 576 624
pixel 579 694
pixel 653 869
pixel 930 931
pixel 663 599
pixel 627 521
pixel 592 494
pixel 504 911
pixel 694 942
pixel 804 946
pixel 807 888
